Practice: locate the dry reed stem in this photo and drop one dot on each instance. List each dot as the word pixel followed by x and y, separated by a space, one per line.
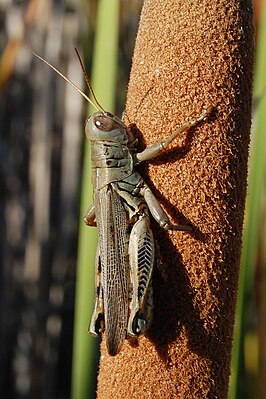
pixel 188 56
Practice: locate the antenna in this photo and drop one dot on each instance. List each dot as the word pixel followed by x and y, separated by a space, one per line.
pixel 88 81
pixel 99 108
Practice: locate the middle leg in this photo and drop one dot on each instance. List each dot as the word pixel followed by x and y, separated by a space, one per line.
pixel 158 212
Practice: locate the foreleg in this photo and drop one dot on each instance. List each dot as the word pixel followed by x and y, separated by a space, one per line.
pixel 90 216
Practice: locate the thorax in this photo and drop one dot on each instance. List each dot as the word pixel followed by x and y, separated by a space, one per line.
pixel 110 163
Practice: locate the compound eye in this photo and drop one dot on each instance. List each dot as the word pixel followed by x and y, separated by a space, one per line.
pixel 105 123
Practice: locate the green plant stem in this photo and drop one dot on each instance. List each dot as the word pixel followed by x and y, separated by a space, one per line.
pixel 253 210
pixel 104 85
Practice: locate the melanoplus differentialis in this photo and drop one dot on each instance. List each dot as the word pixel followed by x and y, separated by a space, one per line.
pixel 121 210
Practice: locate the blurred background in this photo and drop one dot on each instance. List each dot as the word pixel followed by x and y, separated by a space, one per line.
pixel 46 264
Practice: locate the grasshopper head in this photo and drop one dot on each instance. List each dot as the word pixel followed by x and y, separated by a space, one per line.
pixel 107 127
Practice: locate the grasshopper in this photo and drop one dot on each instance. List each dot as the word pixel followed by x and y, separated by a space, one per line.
pixel 122 206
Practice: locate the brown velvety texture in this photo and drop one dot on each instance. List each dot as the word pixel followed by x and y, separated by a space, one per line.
pixel 190 55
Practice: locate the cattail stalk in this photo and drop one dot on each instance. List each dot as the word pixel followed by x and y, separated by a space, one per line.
pixel 190 56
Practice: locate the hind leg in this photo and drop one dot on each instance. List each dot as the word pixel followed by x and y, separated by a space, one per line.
pixel 141 259
pixel 97 320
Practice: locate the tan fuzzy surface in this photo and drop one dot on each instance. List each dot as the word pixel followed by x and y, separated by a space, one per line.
pixel 190 55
